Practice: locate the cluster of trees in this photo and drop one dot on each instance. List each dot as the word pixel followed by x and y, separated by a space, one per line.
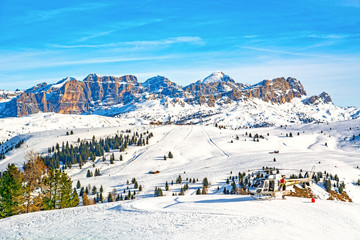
pixel 8 148
pixel 91 174
pixel 71 132
pixel 170 155
pixel 330 181
pixel 158 192
pixel 242 182
pixel 204 190
pixel 36 188
pixel 220 126
pixel 83 151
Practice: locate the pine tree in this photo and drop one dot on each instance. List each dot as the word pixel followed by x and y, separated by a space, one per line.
pixel 58 191
pixel 94 190
pixel 166 186
pixel 11 191
pixel 205 182
pixel 170 155
pixel 234 188
pixel 198 191
pixel 78 184
pixel 101 197
pixel 179 180
pixel 112 158
pixel 164 157
pixel 110 198
pixel 204 190
pixel 140 188
pixel 101 189
pixel 136 185
pixel 121 157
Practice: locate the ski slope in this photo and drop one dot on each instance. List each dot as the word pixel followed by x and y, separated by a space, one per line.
pixel 199 151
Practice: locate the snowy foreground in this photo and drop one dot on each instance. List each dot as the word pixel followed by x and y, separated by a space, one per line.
pixel 192 217
pixel 199 151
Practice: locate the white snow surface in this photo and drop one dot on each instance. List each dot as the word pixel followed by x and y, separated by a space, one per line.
pixel 217 76
pixel 254 112
pixel 199 151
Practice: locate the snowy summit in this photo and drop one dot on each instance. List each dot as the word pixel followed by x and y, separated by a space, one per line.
pixel 217 76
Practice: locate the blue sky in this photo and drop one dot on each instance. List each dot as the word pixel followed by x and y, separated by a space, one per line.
pixel 317 41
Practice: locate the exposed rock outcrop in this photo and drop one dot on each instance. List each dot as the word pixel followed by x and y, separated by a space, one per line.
pixel 72 96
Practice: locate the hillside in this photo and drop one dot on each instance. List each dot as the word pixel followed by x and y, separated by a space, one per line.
pixel 199 151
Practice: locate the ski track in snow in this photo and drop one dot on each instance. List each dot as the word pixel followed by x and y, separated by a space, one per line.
pixel 199 151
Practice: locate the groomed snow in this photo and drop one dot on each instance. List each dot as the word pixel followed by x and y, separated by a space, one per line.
pixel 199 151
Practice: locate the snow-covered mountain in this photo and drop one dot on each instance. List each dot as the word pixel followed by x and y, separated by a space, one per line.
pixel 216 98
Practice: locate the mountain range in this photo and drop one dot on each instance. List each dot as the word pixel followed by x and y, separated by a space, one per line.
pixel 113 96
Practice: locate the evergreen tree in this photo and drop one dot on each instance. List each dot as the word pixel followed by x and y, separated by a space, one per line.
pixel 11 192
pixel 170 155
pixel 136 185
pixel 179 180
pixel 328 185
pixel 78 184
pixel 198 191
pixel 58 191
pixel 101 189
pixel 205 182
pixel 110 198
pixel 234 188
pixel 112 158
pixel 164 157
pixel 140 188
pixel 121 157
pixel 166 186
pixel 101 197
pixel 94 190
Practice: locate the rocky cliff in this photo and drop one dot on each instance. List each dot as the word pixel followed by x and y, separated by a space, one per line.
pixel 70 96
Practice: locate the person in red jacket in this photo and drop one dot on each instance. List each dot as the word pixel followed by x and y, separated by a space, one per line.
pixel 282 183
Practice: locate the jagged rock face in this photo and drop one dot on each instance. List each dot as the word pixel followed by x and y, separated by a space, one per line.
pixel 162 85
pixel 110 90
pixel 26 104
pixel 317 99
pixel 279 90
pixel 72 96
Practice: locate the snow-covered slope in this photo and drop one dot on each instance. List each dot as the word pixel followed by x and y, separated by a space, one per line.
pixel 247 113
pixel 11 127
pixel 191 217
pixel 199 151
pixel 216 77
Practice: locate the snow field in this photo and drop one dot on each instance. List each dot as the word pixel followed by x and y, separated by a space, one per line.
pixel 199 151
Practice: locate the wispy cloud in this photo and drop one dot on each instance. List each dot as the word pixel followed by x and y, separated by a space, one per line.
pixel 161 42
pixel 37 16
pixel 119 26
pixel 38 62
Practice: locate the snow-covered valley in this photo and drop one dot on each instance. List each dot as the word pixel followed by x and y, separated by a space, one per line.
pixel 199 151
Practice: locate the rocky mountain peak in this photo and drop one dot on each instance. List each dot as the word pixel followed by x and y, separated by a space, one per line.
pixel 161 85
pixel 217 77
pixel 317 99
